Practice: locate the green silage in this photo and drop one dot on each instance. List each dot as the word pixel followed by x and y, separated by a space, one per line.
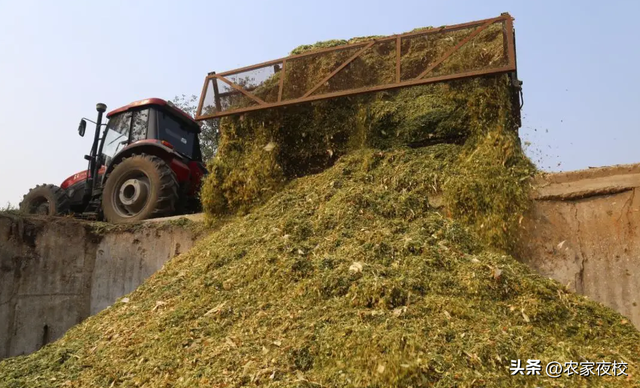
pixel 346 278
pixel 485 187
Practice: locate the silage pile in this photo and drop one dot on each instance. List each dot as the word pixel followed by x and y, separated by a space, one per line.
pixel 262 151
pixel 348 278
pixel 373 265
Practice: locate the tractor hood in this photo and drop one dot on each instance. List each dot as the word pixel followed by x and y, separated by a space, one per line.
pixel 79 177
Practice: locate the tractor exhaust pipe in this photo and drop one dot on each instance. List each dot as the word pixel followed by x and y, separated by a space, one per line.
pixel 101 108
pixel 95 153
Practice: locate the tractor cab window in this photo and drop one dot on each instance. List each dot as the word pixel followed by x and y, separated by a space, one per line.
pixel 117 135
pixel 175 132
pixel 139 125
pixel 118 130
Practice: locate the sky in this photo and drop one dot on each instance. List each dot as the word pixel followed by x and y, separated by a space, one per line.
pixel 578 61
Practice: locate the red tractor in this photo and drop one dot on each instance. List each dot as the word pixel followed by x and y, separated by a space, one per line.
pixel 144 163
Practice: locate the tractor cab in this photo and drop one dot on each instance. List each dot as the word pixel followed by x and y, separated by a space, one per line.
pixel 150 120
pixel 145 162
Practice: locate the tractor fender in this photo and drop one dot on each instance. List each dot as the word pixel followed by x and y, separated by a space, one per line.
pixel 155 148
pixel 149 147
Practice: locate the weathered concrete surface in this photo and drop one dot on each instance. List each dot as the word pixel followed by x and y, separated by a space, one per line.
pixel 583 232
pixel 45 277
pixel 55 273
pixel 124 260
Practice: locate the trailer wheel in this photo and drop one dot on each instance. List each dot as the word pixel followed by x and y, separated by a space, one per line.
pixel 48 200
pixel 138 188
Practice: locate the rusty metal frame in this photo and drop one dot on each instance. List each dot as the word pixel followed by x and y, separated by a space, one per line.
pixel 337 70
pixel 455 48
pixel 364 46
pixel 281 82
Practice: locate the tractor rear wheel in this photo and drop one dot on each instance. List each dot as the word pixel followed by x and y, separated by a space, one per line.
pixel 48 200
pixel 138 188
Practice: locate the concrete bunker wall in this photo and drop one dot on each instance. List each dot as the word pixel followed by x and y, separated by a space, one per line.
pixel 583 232
pixel 54 274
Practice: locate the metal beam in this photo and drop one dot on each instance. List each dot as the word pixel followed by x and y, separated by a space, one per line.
pixel 370 89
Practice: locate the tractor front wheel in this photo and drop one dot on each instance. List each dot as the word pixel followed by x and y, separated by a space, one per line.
pixel 47 200
pixel 138 188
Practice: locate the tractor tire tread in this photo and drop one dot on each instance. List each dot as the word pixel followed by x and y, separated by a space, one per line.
pixel 165 203
pixel 56 194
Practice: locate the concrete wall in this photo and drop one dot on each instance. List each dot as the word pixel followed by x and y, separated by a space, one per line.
pixel 54 274
pixel 124 260
pixel 45 277
pixel 583 232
